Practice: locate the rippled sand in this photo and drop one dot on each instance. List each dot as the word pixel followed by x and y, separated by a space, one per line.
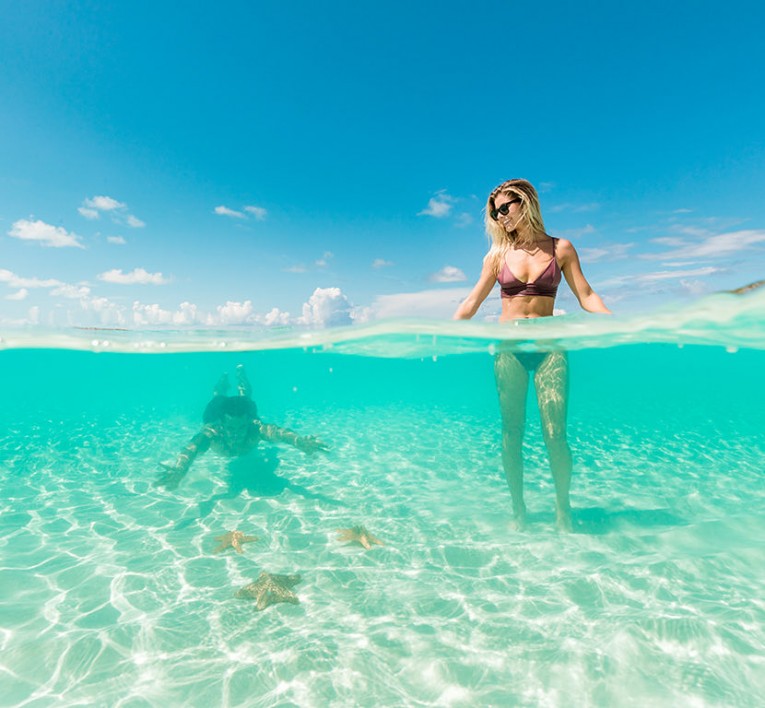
pixel 112 595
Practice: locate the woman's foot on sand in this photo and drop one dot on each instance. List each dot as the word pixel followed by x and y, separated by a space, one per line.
pixel 563 520
pixel 519 518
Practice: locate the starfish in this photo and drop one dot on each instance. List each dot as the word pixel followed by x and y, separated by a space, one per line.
pixel 269 589
pixel 358 534
pixel 233 539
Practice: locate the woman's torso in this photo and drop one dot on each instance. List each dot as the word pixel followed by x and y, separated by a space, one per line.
pixel 529 279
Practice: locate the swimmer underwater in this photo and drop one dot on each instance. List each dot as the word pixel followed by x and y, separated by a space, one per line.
pixel 232 428
pixel 528 264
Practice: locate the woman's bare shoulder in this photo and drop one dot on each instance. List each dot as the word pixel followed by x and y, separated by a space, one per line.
pixel 564 249
pixel 489 263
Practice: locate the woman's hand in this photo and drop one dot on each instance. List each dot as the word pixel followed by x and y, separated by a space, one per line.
pixel 171 476
pixel 310 444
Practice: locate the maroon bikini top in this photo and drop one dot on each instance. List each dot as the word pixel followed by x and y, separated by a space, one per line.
pixel 546 285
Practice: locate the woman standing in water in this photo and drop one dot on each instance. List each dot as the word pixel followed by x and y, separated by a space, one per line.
pixel 528 264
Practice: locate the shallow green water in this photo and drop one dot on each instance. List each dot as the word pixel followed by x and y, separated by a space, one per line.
pixel 111 594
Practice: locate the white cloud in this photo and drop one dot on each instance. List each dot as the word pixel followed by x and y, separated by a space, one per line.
pixel 150 315
pixel 154 314
pixel 258 212
pixel 362 314
pixel 105 311
pixel 104 204
pixel 672 241
pixel 434 304
pixel 612 252
pixel 15 281
pixel 116 239
pixel 577 233
pixel 276 317
pixel 321 262
pixel 695 287
pixel 651 278
pixel 327 307
pixel 463 219
pixel 670 274
pixel 235 313
pixel 324 260
pixel 695 232
pixel 46 234
pixel 711 246
pixel 186 314
pixel 138 276
pixel 14 322
pixel 93 207
pixel 134 222
pixel 438 206
pixel 18 295
pixel 448 274
pixel 72 292
pixel 590 255
pixel 381 263
pixel 225 211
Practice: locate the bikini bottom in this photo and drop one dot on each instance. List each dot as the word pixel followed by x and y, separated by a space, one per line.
pixel 530 360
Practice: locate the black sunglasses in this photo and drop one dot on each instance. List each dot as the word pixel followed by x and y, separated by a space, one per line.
pixel 504 208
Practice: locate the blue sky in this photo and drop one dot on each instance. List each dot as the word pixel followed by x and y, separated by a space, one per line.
pixel 268 162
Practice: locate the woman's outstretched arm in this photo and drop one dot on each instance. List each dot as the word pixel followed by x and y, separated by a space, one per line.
pixel 175 471
pixel 273 433
pixel 478 294
pixel 572 269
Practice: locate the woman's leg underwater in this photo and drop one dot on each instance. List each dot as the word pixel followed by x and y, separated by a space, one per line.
pixel 551 382
pixel 512 386
pixel 242 382
pixel 221 387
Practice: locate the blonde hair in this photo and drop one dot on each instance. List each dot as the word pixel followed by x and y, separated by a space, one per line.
pixel 531 214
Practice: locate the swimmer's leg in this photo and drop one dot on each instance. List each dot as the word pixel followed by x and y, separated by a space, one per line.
pixel 551 382
pixel 512 385
pixel 221 388
pixel 242 382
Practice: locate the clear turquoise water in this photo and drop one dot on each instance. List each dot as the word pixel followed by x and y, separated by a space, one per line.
pixel 110 593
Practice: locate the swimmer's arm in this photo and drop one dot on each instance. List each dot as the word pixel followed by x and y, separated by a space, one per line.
pixel 273 433
pixel 572 270
pixel 479 292
pixel 175 471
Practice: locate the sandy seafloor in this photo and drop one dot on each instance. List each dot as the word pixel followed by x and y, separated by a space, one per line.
pixel 110 593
